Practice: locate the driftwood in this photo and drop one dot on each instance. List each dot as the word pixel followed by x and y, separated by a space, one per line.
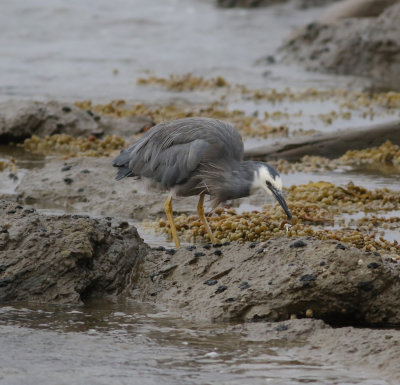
pixel 330 145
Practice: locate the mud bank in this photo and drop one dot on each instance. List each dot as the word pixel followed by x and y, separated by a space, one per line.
pixel 88 185
pixel 64 259
pixel 275 281
pixel 367 47
pixel 373 350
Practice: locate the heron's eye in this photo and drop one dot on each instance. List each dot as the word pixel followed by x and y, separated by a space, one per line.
pixel 268 184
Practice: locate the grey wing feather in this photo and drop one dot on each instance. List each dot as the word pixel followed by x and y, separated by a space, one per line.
pixel 171 151
pixel 170 166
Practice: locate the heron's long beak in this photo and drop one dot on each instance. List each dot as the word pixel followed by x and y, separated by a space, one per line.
pixel 279 197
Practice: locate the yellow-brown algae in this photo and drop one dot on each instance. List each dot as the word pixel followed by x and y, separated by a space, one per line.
pixel 8 165
pixel 314 206
pixel 186 82
pixel 67 145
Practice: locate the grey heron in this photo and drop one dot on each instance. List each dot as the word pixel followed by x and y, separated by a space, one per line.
pixel 198 156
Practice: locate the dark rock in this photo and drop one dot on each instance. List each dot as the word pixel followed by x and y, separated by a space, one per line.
pixel 170 251
pixel 66 167
pixel 198 254
pixel 307 278
pixel 220 289
pixel 217 244
pixel 281 328
pixel 298 243
pixel 339 246
pixel 159 248
pixel 373 265
pixel 207 247
pixel 77 258
pixel 210 282
pixel 218 252
pixel 366 286
pixel 191 248
pixel 244 285
pixel 253 244
pixel 68 180
pixel 230 299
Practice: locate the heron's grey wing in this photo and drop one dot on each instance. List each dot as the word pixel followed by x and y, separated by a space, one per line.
pixel 170 166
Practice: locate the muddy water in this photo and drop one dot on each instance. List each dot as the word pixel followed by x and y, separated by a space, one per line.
pixel 74 50
pixel 128 343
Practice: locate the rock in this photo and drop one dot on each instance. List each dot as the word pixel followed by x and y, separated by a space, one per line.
pixel 22 119
pixel 63 259
pixel 279 283
pixel 361 47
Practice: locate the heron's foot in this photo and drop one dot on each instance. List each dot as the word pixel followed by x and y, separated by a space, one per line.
pixel 168 211
pixel 200 211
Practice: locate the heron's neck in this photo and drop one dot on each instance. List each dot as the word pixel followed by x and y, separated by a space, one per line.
pixel 238 181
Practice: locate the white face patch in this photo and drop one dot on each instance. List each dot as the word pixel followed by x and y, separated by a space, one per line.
pixel 262 176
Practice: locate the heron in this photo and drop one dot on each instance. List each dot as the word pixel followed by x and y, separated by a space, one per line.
pixel 198 156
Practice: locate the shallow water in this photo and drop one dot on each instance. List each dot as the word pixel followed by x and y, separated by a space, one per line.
pixel 71 50
pixel 130 343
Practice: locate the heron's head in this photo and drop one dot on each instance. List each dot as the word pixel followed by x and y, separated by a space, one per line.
pixel 268 179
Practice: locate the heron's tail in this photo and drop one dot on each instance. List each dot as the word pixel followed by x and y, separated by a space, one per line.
pixel 122 161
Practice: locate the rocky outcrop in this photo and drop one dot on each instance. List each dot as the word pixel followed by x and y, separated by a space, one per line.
pixel 64 259
pixel 22 119
pixel 367 47
pixel 280 279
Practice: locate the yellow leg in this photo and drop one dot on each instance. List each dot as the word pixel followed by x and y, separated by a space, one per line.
pixel 200 211
pixel 168 211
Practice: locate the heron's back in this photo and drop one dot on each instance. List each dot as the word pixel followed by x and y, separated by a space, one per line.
pixel 172 153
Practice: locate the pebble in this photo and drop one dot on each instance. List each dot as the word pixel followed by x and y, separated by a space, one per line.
pixel 199 254
pixel 191 248
pixel 170 251
pixel 373 265
pixel 68 180
pixel 298 243
pixel 307 278
pixel 218 252
pixel 221 289
pixel 210 282
pixel 66 167
pixel 244 285
pixel 281 328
